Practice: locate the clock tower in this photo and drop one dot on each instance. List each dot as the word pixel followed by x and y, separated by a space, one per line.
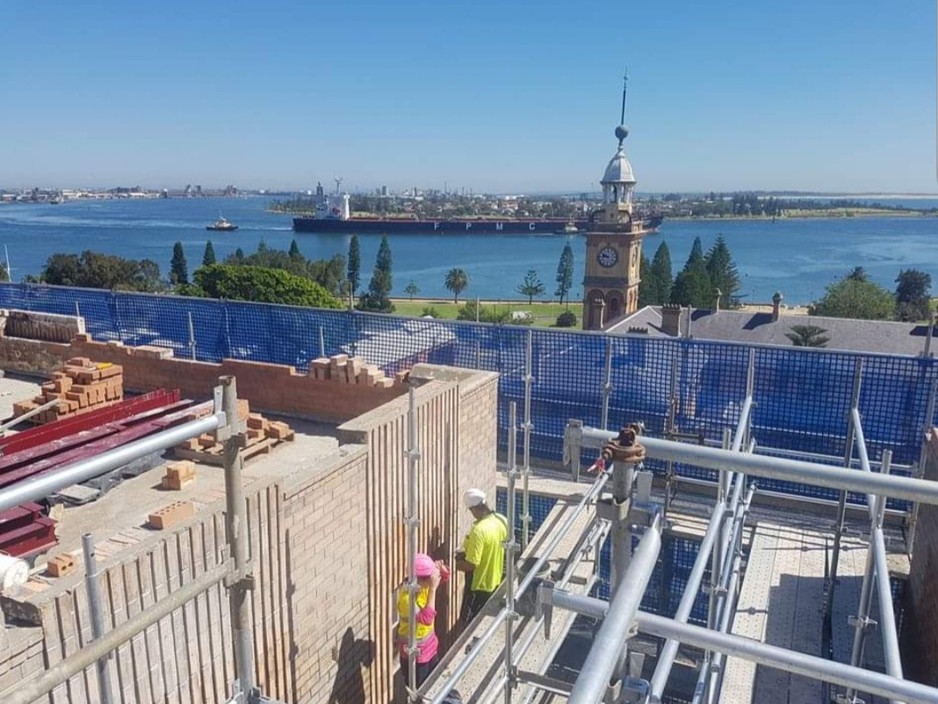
pixel 613 246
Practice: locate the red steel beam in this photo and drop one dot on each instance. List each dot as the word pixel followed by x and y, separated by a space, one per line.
pixel 87 421
pixel 21 457
pixel 93 448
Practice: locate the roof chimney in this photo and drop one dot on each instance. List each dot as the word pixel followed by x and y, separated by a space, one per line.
pixel 776 304
pixel 717 295
pixel 671 319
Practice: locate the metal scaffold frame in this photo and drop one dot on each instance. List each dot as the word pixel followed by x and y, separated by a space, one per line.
pixel 235 572
pixel 604 673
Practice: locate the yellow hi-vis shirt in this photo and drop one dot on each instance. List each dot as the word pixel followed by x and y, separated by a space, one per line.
pixel 484 548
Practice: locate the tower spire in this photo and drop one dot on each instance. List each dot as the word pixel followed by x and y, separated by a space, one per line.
pixel 625 89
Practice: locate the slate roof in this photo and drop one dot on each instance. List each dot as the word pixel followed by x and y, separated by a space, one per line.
pixel 876 336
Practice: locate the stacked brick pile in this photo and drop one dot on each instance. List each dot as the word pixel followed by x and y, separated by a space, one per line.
pixel 262 436
pixel 81 386
pixel 349 370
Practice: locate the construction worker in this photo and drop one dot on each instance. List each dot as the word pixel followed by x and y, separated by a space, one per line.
pixel 429 575
pixel 483 554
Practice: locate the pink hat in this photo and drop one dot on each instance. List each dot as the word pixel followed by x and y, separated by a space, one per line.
pixel 424 565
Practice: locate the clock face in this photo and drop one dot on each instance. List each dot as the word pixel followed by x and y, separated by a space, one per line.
pixel 608 256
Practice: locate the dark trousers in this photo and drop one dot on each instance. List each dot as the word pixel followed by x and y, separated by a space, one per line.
pixel 423 669
pixel 473 602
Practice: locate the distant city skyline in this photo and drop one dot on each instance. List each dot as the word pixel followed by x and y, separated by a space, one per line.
pixel 498 98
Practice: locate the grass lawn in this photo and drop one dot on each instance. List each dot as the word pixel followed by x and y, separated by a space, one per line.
pixel 545 313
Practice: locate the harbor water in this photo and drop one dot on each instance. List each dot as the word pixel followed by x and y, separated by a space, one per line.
pixel 798 257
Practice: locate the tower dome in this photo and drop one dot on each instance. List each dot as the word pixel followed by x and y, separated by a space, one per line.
pixel 619 170
pixel 618 180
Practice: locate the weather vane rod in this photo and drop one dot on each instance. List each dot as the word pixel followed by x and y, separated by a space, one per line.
pixel 625 89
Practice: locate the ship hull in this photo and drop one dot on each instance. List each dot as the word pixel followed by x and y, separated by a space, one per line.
pixel 376 226
pixel 440 227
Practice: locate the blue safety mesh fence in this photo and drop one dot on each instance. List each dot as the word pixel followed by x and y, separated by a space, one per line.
pixel 538 505
pixel 668 581
pixel 802 396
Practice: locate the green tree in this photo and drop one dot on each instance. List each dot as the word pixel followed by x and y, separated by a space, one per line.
pixel 254 283
pixel 531 286
pixel 912 295
pixel 692 286
pixel 178 268
pixel 456 281
pixel 807 336
pixel 238 255
pixel 97 270
pixel 858 274
pixel 209 257
pixel 647 284
pixel 854 297
pixel 723 272
pixel 354 264
pixel 411 290
pixel 661 273
pixel 4 274
pixel 295 253
pixel 376 300
pixel 565 274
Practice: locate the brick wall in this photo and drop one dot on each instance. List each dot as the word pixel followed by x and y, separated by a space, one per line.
pixel 328 547
pixel 40 326
pixel 920 629
pixel 272 388
pixel 327 561
pixel 456 431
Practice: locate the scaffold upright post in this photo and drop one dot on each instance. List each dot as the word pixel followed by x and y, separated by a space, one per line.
pixel 411 523
pixel 862 622
pixel 510 678
pixel 191 336
pixel 526 468
pixel 920 468
pixel 842 500
pixel 95 605
pixel 607 384
pixel 235 440
pixel 322 342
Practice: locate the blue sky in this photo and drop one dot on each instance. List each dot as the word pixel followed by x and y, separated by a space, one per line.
pixel 495 96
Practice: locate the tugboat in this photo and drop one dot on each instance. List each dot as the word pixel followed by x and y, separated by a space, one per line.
pixel 222 225
pixel 569 229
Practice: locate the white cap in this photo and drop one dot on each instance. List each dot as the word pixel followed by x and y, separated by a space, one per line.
pixel 474 497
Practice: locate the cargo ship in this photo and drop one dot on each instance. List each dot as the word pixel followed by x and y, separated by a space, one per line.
pixel 333 216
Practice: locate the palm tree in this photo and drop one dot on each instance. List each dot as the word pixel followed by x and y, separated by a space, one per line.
pixel 807 336
pixel 456 281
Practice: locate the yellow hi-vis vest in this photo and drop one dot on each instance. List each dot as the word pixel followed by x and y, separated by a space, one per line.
pixel 403 610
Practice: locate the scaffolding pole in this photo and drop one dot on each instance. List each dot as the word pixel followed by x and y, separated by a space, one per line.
pixel 771 467
pixel 37 687
pixel 241 581
pixel 666 658
pixel 526 469
pixel 44 485
pixel 601 663
pixel 593 539
pixel 95 606
pixel 532 574
pixel 920 470
pixel 757 652
pixel 707 688
pixel 842 500
pixel 510 679
pixel 607 385
pixel 411 523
